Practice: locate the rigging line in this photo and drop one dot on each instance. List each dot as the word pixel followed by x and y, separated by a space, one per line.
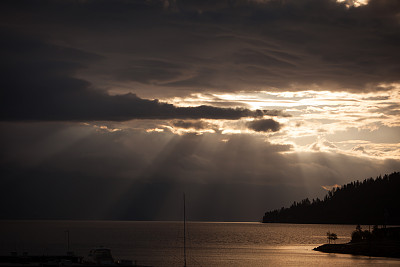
pixel 184 230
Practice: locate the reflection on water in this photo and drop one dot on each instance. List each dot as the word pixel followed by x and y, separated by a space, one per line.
pixel 208 244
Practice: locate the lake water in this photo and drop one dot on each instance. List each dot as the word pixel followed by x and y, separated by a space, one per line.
pixel 208 244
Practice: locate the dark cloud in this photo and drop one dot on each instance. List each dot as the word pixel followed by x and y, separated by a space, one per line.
pixel 374 98
pixel 267 125
pixel 389 108
pixel 151 71
pixel 359 148
pixel 90 106
pixel 189 46
pixel 39 84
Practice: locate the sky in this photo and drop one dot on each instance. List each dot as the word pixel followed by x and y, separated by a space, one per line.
pixel 110 110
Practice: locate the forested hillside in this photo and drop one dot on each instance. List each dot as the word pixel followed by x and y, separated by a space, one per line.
pixel 372 201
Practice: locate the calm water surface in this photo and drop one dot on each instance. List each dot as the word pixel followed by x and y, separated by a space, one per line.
pixel 208 244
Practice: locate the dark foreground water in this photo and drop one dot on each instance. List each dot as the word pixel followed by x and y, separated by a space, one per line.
pixel 208 244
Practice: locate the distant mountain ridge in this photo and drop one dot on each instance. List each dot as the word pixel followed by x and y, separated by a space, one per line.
pixel 372 201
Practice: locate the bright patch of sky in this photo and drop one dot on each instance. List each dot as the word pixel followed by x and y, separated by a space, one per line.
pixel 363 124
pixel 355 3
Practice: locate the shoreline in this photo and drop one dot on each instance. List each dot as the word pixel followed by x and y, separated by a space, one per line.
pixel 389 249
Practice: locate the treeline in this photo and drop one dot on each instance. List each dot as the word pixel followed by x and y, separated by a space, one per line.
pixel 372 201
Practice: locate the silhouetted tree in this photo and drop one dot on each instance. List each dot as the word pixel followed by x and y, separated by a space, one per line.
pixel 372 201
pixel 331 236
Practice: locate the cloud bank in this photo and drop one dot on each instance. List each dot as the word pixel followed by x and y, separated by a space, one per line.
pixel 39 84
pixel 188 46
pixel 264 125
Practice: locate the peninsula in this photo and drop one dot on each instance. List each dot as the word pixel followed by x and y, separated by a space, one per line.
pixel 381 242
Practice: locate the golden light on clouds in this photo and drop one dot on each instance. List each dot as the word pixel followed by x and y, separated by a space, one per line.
pixel 319 120
pixel 355 3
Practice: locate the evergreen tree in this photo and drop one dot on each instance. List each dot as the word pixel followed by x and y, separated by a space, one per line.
pixel 372 201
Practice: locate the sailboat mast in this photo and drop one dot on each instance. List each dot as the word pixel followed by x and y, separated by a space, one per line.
pixel 184 230
pixel 67 232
